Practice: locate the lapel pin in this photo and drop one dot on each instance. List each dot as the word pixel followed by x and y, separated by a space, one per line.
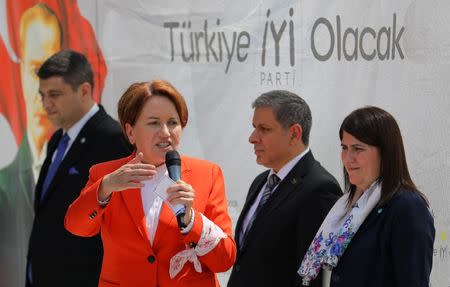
pixel 83 140
pixel 379 210
pixel 293 181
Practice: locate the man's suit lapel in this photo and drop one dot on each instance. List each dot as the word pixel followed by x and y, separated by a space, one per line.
pixel 291 183
pixel 51 148
pixel 251 197
pixel 82 141
pixel 79 146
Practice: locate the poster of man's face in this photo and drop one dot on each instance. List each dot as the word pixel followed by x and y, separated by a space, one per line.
pixel 30 32
pixel 35 31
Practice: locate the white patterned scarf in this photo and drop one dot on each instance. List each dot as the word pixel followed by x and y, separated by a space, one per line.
pixel 210 237
pixel 336 232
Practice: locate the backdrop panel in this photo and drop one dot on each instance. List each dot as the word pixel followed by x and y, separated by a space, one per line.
pixel 221 55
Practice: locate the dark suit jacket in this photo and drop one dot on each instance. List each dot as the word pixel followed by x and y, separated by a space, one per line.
pixel 393 247
pixel 59 258
pixel 285 226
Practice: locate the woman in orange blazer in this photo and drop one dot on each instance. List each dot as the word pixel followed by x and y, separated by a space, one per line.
pixel 143 244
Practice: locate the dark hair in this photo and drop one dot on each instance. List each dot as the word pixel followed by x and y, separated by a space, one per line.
pixel 376 127
pixel 289 109
pixel 72 66
pixel 133 100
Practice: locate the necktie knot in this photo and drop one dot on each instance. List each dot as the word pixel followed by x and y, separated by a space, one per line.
pixel 63 142
pixel 65 137
pixel 272 181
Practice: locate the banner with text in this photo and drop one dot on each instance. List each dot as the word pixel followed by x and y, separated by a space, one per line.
pixel 221 55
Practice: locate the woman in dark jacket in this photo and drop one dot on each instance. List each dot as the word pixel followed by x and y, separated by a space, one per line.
pixel 381 232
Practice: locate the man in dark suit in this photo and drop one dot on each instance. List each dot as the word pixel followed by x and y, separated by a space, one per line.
pixel 285 204
pixel 87 136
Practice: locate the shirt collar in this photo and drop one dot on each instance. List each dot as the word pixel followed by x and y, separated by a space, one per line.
pixel 76 128
pixel 160 172
pixel 283 172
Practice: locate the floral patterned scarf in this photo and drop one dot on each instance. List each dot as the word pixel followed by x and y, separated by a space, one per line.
pixel 336 232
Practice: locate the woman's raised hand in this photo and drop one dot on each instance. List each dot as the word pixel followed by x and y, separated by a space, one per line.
pixel 127 176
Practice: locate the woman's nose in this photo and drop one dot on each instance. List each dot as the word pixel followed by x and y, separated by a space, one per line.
pixel 165 129
pixel 347 156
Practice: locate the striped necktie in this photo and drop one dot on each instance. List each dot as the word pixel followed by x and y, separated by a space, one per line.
pixel 272 182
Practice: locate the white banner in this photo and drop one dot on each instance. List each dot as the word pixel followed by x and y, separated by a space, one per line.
pixel 337 55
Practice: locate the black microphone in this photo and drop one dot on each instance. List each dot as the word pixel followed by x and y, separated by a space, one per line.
pixel 173 164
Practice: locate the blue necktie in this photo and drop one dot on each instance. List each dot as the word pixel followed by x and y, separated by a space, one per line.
pixel 272 182
pixel 60 151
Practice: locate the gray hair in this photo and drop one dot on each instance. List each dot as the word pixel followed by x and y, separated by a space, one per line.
pixel 288 108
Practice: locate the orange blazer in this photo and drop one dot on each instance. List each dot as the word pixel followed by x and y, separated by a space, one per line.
pixel 129 259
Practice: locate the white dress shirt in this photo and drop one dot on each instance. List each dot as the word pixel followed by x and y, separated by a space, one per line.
pixel 76 128
pixel 152 203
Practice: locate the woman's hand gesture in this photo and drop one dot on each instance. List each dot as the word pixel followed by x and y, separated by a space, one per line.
pixel 127 176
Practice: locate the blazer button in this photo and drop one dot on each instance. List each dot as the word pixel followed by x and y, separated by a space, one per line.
pixel 151 259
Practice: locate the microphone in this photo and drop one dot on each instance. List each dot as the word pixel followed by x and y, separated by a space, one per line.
pixel 173 164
